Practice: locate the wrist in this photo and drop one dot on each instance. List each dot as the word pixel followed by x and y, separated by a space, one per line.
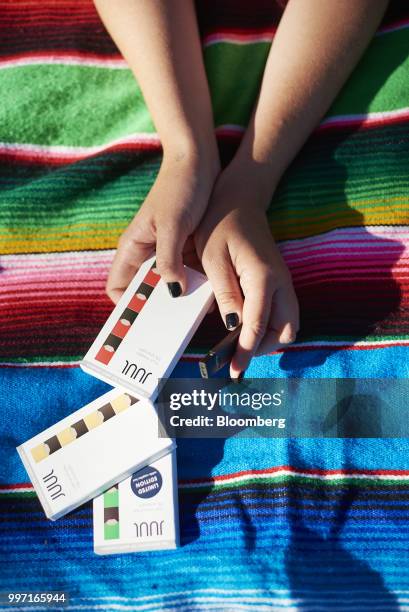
pixel 259 179
pixel 198 153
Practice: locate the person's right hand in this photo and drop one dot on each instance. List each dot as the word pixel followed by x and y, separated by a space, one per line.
pixel 250 280
pixel 168 216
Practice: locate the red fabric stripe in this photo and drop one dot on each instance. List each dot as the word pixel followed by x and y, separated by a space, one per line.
pixel 19 485
pixel 341 347
pixel 61 54
pixel 267 471
pixel 50 158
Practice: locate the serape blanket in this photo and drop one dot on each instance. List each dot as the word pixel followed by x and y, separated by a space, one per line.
pixel 271 524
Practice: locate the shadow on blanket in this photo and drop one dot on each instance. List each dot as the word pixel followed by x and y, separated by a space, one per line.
pixel 206 453
pixel 324 554
pixel 364 304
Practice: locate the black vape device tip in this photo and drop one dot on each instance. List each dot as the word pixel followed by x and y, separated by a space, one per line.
pixel 219 355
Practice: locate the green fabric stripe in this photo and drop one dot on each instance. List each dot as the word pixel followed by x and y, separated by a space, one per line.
pixel 106 191
pixel 18 494
pixel 379 82
pixel 234 75
pixel 77 105
pixel 85 106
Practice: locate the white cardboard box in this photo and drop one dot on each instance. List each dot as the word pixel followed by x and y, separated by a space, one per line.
pixel 107 440
pixel 141 512
pixel 90 450
pixel 147 331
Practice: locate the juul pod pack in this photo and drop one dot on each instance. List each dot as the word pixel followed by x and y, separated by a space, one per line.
pixel 147 331
pixel 90 450
pixel 141 512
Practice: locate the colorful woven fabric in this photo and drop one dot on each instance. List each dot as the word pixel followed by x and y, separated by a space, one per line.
pixel 267 524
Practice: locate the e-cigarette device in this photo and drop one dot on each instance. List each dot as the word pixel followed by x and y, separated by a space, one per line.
pixel 219 355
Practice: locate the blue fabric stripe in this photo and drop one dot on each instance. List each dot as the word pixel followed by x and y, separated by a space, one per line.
pixel 35 398
pixel 389 362
pixel 227 545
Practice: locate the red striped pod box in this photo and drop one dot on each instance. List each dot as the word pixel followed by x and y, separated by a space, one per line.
pixel 147 331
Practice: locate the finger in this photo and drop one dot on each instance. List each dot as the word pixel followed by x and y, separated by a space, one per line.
pixel 128 258
pixel 190 256
pixel 284 321
pixel 258 292
pixel 169 257
pixel 226 289
pixel 212 307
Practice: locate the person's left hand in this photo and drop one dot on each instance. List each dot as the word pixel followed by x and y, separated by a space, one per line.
pixel 251 282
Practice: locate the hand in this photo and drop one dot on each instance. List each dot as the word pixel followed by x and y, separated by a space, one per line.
pixel 168 216
pixel 251 282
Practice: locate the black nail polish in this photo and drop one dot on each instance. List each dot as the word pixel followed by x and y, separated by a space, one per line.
pixel 232 320
pixel 175 289
pixel 238 379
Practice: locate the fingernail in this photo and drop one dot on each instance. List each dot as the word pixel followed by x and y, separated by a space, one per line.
pixel 232 320
pixel 175 289
pixel 238 379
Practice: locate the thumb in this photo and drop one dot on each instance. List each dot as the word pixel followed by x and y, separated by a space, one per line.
pixel 129 256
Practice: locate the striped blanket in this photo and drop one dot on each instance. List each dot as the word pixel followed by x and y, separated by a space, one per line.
pixel 267 524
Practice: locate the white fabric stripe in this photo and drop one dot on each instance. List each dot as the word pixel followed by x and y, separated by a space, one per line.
pixel 219 481
pixel 40 364
pixel 70 151
pixel 153 139
pixel 364 117
pixel 310 251
pixel 291 605
pixel 19 490
pixel 376 115
pixel 361 235
pixel 56 261
pixel 282 594
pixel 348 254
pixel 237 39
pixel 229 127
pixel 65 60
pixel 59 255
pixel 392 28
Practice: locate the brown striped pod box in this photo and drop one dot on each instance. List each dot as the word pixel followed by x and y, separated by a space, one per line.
pixel 89 451
pixel 147 331
pixel 141 512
